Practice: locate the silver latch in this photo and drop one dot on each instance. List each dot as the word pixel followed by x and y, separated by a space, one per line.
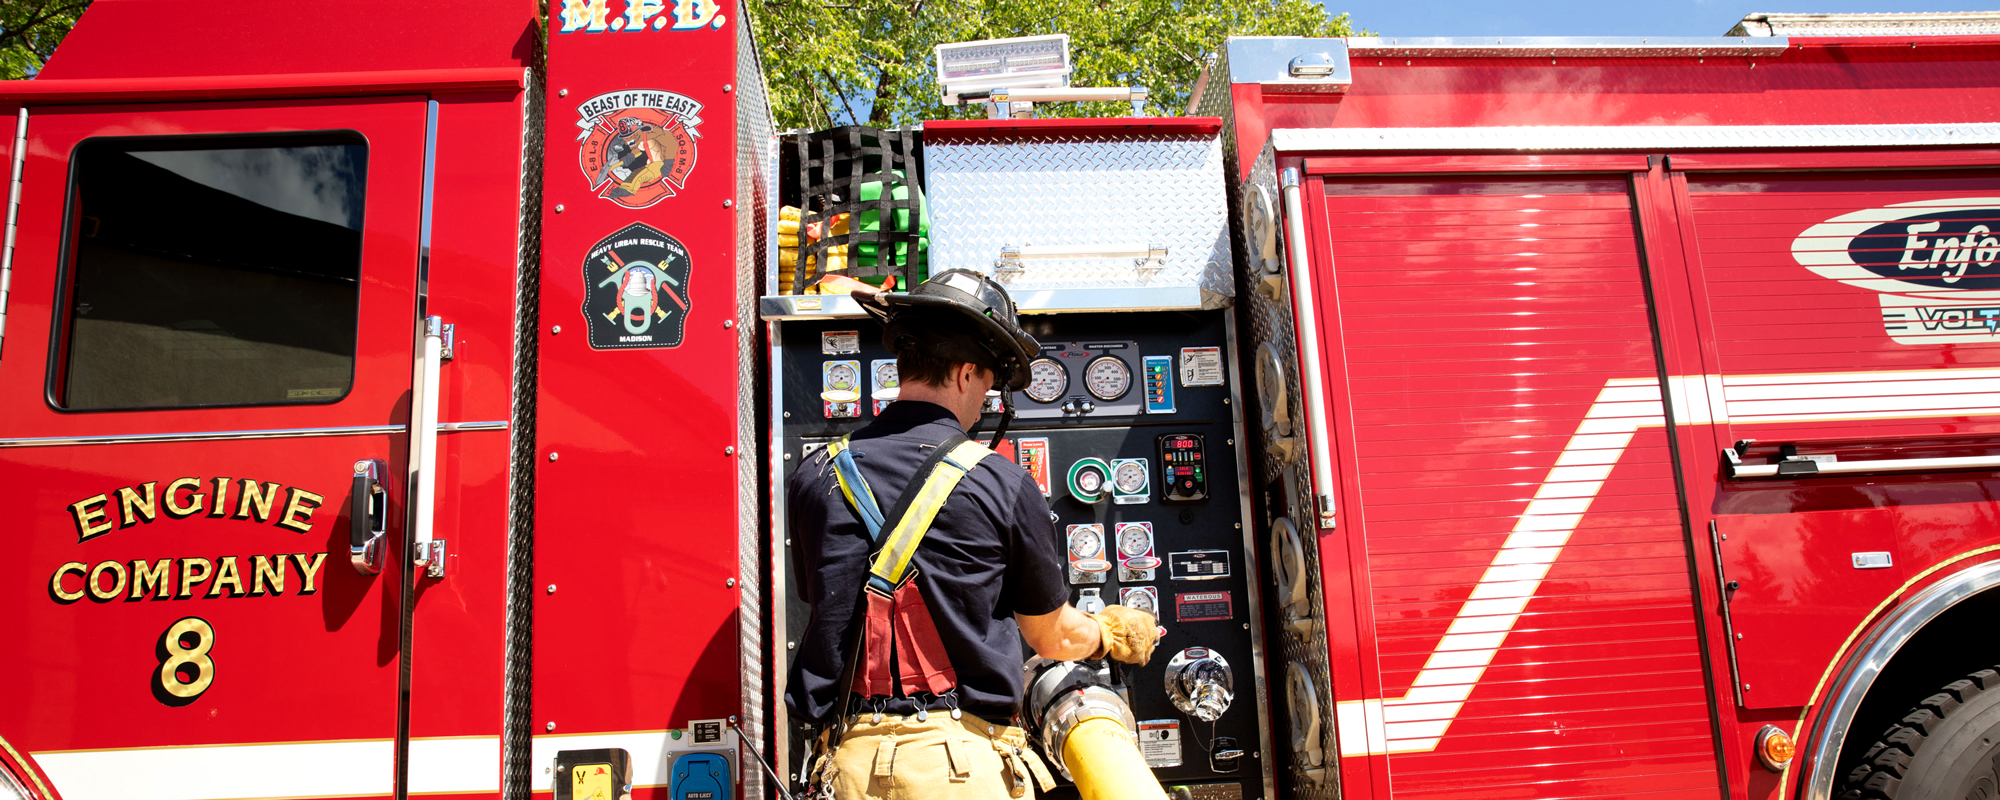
pixel 1156 257
pixel 1311 66
pixel 1010 262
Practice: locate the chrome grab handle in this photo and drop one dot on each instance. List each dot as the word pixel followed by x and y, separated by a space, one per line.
pixel 429 551
pixel 368 516
pixel 1319 452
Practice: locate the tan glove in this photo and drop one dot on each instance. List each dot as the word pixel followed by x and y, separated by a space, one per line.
pixel 1126 634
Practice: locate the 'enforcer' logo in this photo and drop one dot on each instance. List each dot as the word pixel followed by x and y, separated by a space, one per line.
pixel 1936 263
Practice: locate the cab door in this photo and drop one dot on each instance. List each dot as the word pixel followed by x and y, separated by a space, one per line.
pixel 208 348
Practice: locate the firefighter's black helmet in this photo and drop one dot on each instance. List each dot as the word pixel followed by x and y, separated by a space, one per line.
pixel 960 315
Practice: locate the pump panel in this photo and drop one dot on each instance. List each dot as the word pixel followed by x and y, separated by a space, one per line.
pixel 1147 497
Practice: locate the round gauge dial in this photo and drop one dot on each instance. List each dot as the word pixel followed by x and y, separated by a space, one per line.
pixel 1047 380
pixel 840 376
pixel 1131 477
pixel 1134 541
pixel 1139 601
pixel 1086 543
pixel 1107 377
pixel 1090 481
pixel 885 375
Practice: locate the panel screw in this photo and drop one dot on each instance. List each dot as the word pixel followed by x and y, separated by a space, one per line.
pixel 559 208
pixel 728 204
pixel 555 329
pixel 731 583
pixel 1239 526
pixel 791 645
pixel 729 451
pixel 551 726
pixel 1746 687
pixel 729 87
pixel 1230 442
pixel 788 456
pixel 1225 401
pixel 552 588
pixel 788 415
pixel 728 323
pixel 552 456
pixel 562 92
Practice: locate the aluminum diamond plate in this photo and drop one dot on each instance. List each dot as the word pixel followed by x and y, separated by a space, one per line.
pixel 989 193
pixel 1271 322
pixel 1633 137
pixel 1899 24
pixel 754 194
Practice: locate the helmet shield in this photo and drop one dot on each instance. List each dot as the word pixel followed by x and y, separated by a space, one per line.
pixel 958 315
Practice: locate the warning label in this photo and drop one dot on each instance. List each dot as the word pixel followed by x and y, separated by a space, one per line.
pixel 1160 742
pixel 1201 366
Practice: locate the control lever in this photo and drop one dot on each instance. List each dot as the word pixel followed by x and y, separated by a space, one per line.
pixel 368 516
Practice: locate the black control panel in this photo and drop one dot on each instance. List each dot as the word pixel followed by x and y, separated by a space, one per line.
pixel 1126 425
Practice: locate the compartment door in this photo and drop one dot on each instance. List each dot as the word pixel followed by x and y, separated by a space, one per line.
pixel 211 322
pixel 1520 578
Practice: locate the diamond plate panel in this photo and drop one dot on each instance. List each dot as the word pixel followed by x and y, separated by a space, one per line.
pixel 754 197
pixel 1890 24
pixel 516 744
pixel 1271 322
pixel 989 193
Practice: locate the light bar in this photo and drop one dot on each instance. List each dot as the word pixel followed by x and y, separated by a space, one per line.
pixel 1022 62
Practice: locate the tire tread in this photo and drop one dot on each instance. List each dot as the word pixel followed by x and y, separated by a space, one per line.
pixel 1881 771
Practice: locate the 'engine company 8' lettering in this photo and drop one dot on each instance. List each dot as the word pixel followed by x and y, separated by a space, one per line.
pixel 186 497
pixel 181 578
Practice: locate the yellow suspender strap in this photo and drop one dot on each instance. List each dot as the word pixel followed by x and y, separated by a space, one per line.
pixel 893 561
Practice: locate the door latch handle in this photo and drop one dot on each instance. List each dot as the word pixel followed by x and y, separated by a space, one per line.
pixel 368 512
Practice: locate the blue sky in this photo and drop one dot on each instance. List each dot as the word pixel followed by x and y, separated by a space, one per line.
pixel 1597 17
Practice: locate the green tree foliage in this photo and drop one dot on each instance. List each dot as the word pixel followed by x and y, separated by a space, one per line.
pixel 837 61
pixel 30 31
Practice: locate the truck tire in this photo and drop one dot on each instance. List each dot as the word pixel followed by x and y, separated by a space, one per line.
pixel 1947 748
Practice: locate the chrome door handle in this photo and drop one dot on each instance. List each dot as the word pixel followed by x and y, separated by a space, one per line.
pixel 434 349
pixel 1319 450
pixel 368 512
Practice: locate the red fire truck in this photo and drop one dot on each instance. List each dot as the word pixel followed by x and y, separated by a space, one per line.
pixel 1497 418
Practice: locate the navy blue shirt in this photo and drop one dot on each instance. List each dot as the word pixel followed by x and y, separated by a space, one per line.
pixel 990 554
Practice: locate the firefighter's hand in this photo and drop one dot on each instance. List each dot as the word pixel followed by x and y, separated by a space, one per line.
pixel 1126 634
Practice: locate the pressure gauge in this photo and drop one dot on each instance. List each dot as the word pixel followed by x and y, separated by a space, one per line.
pixel 1140 598
pixel 1086 542
pixel 1107 377
pixel 1134 540
pixel 886 376
pixel 1088 478
pixel 841 376
pixel 1047 380
pixel 1130 477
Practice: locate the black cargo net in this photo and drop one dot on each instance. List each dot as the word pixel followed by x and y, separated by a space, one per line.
pixel 836 166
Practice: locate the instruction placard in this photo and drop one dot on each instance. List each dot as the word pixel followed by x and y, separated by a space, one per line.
pixel 1201 366
pixel 1160 742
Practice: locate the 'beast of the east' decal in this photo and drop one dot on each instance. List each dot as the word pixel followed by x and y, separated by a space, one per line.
pixel 637 289
pixel 1936 263
pixel 638 145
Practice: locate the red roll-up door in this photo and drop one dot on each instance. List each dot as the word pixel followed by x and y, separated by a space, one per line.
pixel 1505 470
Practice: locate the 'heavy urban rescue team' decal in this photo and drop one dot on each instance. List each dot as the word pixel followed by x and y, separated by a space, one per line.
pixel 1936 263
pixel 636 289
pixel 637 145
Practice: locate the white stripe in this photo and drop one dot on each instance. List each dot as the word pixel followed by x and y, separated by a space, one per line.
pixel 338 769
pixel 236 772
pixel 1622 407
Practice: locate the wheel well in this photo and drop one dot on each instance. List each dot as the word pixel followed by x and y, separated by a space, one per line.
pixel 1944 650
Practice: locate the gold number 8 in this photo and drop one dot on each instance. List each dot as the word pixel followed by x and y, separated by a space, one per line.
pixel 176 656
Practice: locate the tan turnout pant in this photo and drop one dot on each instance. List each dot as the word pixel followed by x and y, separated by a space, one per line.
pixel 903 758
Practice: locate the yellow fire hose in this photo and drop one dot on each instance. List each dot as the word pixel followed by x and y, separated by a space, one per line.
pixel 1105 762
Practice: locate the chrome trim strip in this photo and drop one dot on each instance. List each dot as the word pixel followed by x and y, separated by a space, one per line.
pixel 1566 46
pixel 1850 467
pixel 1830 729
pixel 1634 137
pixel 1029 301
pixel 13 215
pixel 1320 453
pixel 269 433
pixel 416 481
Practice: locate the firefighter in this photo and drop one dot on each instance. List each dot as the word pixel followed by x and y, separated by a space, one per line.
pixel 928 559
